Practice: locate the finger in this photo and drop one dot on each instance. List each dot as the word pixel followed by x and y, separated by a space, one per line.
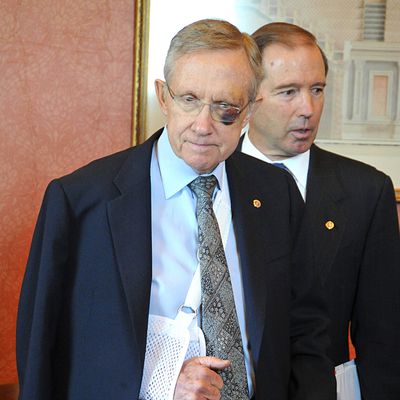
pixel 214 363
pixel 216 381
pixel 197 381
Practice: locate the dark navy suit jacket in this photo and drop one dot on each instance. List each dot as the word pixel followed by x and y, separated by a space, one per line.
pixel 358 262
pixel 84 302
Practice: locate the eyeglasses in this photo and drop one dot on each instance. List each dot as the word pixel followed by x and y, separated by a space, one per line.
pixel 220 111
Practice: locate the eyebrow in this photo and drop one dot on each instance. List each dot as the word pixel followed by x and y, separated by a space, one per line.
pixel 293 84
pixel 191 92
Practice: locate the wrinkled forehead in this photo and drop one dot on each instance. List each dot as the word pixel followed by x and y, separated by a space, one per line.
pixel 213 71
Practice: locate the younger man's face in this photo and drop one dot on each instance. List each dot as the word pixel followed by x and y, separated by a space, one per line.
pixel 286 121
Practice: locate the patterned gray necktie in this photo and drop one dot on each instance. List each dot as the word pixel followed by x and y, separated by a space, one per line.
pixel 218 312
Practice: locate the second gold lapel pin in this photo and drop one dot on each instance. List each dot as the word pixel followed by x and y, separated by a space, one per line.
pixel 256 203
pixel 329 225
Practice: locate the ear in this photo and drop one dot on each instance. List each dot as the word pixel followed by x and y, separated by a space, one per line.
pixel 159 86
pixel 252 109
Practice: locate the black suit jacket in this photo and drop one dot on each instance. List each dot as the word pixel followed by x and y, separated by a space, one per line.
pixel 82 322
pixel 359 263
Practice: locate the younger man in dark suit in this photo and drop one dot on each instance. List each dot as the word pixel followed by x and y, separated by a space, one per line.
pixel 351 213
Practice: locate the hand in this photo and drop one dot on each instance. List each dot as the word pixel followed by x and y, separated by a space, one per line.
pixel 198 379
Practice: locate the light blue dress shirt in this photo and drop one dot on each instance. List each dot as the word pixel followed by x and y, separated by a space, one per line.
pixel 174 236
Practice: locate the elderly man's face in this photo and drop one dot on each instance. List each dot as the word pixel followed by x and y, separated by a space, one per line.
pixel 220 77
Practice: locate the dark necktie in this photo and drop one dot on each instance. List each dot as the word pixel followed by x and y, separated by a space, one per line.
pixel 218 312
pixel 280 165
pixel 283 166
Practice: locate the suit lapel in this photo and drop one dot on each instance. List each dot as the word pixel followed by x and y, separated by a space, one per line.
pixel 246 221
pixel 324 195
pixel 129 218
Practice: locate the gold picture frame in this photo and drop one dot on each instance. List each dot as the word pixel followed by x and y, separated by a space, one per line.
pixel 139 95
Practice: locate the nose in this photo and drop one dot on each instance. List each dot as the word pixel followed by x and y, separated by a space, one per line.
pixel 306 105
pixel 203 122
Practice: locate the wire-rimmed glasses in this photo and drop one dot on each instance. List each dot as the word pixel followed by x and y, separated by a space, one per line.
pixel 221 111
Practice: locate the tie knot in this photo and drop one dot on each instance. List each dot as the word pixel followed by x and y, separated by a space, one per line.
pixel 280 165
pixel 203 186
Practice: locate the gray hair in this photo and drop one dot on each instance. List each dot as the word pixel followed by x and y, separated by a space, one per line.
pixel 212 34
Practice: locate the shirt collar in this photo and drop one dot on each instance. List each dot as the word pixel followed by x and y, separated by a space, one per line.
pixel 297 165
pixel 175 173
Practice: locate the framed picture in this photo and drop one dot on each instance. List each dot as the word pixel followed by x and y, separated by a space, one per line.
pixel 361 117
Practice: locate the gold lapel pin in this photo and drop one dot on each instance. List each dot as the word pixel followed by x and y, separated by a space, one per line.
pixel 256 203
pixel 329 225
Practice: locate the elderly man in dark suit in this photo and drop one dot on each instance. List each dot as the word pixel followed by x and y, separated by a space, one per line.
pixel 351 213
pixel 169 270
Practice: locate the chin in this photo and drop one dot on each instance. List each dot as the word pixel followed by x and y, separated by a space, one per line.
pixel 201 168
pixel 202 164
pixel 301 148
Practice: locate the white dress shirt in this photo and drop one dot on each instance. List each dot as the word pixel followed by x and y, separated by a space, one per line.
pixel 175 231
pixel 296 165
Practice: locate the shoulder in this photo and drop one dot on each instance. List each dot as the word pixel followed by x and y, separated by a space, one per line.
pixel 347 168
pixel 101 179
pixel 88 186
pixel 106 168
pixel 249 174
pixel 252 166
pixel 257 173
pixel 100 170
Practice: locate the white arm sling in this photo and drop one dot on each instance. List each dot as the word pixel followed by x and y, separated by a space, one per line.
pixel 169 343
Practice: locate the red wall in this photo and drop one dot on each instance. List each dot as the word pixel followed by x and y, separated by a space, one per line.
pixel 65 99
